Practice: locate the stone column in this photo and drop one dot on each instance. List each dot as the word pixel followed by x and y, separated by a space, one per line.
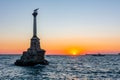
pixel 34 23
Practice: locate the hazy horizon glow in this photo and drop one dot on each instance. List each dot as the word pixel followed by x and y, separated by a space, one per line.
pixel 64 27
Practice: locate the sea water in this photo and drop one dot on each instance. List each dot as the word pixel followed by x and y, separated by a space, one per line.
pixel 63 68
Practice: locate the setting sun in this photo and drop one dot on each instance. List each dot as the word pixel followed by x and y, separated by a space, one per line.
pixel 74 52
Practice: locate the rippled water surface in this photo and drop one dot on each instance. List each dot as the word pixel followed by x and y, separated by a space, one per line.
pixel 63 68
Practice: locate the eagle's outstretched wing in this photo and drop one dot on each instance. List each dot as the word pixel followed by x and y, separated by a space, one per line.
pixel 36 9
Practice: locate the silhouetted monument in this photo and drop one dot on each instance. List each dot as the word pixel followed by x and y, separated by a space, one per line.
pixel 34 55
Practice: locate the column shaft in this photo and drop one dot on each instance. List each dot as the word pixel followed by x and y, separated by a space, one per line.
pixel 34 27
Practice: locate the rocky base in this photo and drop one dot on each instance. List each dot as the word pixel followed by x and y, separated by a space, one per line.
pixel 32 57
pixel 30 63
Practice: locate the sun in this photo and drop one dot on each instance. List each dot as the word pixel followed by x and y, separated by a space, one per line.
pixel 74 52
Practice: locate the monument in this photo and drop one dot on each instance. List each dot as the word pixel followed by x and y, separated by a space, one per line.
pixel 34 55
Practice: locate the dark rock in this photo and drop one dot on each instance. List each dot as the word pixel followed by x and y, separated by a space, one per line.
pixel 30 63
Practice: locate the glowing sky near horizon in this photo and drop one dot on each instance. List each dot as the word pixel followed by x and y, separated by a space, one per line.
pixel 89 26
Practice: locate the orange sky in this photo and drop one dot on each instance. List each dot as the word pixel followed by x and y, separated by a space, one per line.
pixel 63 46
